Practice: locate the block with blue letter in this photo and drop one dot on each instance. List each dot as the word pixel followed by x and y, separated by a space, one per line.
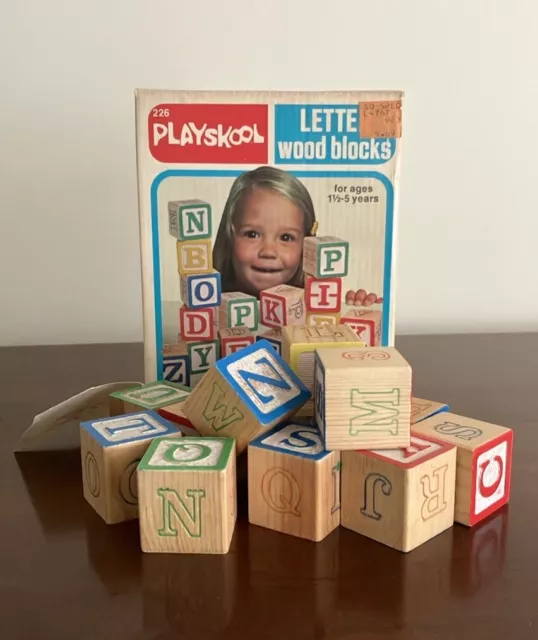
pixel 245 393
pixel 199 290
pixel 422 409
pixel 294 482
pixel 111 449
pixel 176 363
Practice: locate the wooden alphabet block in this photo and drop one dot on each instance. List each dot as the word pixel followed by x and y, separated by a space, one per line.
pixel 187 494
pixel 189 219
pixel 325 257
pixel 174 413
pixel 203 355
pixel 274 337
pixel 400 497
pixel 152 395
pixel 422 409
pixel 201 290
pixel 238 310
pixel 484 462
pixel 244 393
pixel 299 345
pixel 176 363
pixel 110 450
pixel 197 324
pixel 282 305
pixel 323 295
pixel 194 256
pixel 293 482
pixel 231 340
pixel 362 397
pixel 366 323
pixel 322 319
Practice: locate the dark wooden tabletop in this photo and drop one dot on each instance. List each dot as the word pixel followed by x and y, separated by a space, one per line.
pixel 65 574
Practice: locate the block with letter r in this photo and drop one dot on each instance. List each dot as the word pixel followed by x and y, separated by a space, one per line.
pixel 294 482
pixel 110 450
pixel 245 393
pixel 189 219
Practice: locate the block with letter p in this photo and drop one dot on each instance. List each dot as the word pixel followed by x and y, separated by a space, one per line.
pixel 325 257
pixel 238 310
pixel 189 219
pixel 400 497
pixel 244 393
pixel 484 462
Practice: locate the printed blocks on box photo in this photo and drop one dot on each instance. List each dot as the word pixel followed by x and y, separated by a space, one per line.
pixel 110 450
pixel 238 310
pixel 244 393
pixel 197 324
pixel 400 497
pixel 194 256
pixel 189 219
pixel 323 295
pixel 200 290
pixel 325 257
pixel 318 319
pixel 231 340
pixel 366 323
pixel 274 337
pixel 282 305
pixel 152 395
pixel 187 495
pixel 293 482
pixel 362 397
pixel 176 363
pixel 484 462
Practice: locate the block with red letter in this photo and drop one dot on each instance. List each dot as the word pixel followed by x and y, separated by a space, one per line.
pixel 231 340
pixel 197 324
pixel 484 462
pixel 238 310
pixel 282 305
pixel 400 497
pixel 194 256
pixel 323 295
pixel 366 323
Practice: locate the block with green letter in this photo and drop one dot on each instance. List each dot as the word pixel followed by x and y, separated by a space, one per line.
pixel 238 310
pixel 245 393
pixel 189 219
pixel 152 395
pixel 362 397
pixel 187 495
pixel 325 257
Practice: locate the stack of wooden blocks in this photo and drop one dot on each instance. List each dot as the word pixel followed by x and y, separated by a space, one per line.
pixel 332 433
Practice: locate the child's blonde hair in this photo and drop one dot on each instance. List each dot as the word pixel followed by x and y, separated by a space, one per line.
pixel 264 177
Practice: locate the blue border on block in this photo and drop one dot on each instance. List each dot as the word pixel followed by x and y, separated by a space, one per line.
pixel 258 442
pixel 262 345
pixel 319 364
pixel 186 362
pixel 90 428
pixel 444 409
pixel 205 276
pixel 229 173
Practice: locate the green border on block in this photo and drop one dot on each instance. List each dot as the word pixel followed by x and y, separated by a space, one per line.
pixel 228 444
pixel 197 236
pixel 174 385
pixel 324 245
pixel 246 299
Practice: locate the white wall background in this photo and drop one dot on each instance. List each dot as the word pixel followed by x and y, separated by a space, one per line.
pixel 69 262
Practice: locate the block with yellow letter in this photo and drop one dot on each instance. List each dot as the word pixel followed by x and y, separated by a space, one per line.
pixel 319 319
pixel 484 462
pixel 293 482
pixel 362 397
pixel 194 256
pixel 400 497
pixel 244 393
pixel 187 495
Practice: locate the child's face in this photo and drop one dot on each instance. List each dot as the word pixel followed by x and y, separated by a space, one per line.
pixel 268 242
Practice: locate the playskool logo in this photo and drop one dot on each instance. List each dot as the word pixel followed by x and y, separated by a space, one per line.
pixel 208 133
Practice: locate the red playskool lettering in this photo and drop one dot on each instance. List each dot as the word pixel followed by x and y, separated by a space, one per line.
pixel 488 491
pixel 209 133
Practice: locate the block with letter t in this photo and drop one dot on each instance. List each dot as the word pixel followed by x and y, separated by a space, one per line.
pixel 245 393
pixel 484 462
pixel 293 482
pixel 400 497
pixel 187 495
pixel 362 397
pixel 110 450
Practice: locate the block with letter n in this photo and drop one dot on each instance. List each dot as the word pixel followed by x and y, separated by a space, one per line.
pixel 293 482
pixel 187 495
pixel 110 450
pixel 189 219
pixel 484 462
pixel 152 395
pixel 362 397
pixel 245 392
pixel 325 257
pixel 400 497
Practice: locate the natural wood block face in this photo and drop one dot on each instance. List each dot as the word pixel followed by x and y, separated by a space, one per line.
pixel 366 323
pixel 317 319
pixel 176 363
pixel 202 355
pixel 274 337
pixel 299 345
pixel 189 219
pixel 238 310
pixel 152 395
pixel 110 450
pixel 326 257
pixel 197 324
pixel 194 256
pixel 282 305
pixel 422 409
pixel 187 493
pixel 362 397
pixel 400 497
pixel 245 393
pixel 484 467
pixel 201 290
pixel 231 340
pixel 323 295
pixel 293 483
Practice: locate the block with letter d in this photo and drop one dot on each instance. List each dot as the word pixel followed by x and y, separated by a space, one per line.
pixel 245 392
pixel 325 257
pixel 293 482
pixel 197 324
pixel 189 219
pixel 187 494
pixel 484 462
pixel 110 450
pixel 400 497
